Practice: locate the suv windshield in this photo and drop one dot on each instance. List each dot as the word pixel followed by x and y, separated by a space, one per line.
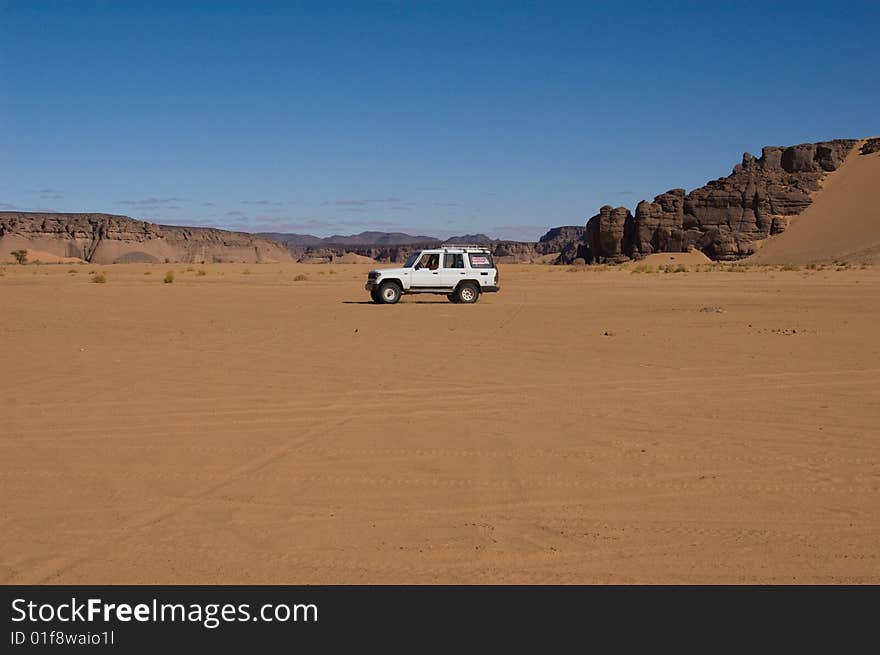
pixel 412 259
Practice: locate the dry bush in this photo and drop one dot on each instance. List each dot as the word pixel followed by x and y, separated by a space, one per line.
pixel 588 268
pixel 99 278
pixel 675 268
pixel 202 272
pixel 169 277
pixel 301 278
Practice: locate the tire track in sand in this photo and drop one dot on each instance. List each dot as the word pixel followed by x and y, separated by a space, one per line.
pixel 47 570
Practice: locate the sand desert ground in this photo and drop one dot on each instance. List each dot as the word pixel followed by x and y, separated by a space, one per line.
pixel 584 425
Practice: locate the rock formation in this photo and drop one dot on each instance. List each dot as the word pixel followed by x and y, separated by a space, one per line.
pixel 606 234
pixel 870 146
pixel 725 217
pixel 564 240
pixel 108 239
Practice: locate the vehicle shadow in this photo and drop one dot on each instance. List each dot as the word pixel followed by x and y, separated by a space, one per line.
pixel 417 302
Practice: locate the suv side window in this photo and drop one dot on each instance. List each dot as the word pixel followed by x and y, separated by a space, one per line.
pixel 481 260
pixel 453 261
pixel 430 261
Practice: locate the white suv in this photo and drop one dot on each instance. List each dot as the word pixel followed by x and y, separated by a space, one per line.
pixel 461 273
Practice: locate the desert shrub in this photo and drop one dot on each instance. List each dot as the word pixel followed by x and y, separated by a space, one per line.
pixel 579 261
pixel 591 268
pixel 789 267
pixel 190 269
pixel 169 277
pixel 643 268
pixel 72 270
pixel 20 256
pixel 202 272
pixel 99 278
pixel 148 272
pixel 246 271
pixel 332 272
pixel 300 278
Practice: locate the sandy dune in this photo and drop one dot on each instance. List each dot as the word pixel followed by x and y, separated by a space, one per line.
pixel 690 258
pixel 35 256
pixel 842 224
pixel 580 426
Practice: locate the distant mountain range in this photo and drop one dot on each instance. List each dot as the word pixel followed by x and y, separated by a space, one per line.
pixel 558 243
pixel 368 239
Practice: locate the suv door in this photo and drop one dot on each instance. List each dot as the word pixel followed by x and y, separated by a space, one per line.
pixel 426 272
pixel 452 270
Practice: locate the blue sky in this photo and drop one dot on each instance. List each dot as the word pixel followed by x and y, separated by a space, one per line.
pixel 431 117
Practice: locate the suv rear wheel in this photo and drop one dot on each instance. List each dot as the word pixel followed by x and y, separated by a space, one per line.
pixel 467 293
pixel 389 293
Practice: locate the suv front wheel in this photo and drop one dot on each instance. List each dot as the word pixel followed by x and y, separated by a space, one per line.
pixel 467 293
pixel 389 293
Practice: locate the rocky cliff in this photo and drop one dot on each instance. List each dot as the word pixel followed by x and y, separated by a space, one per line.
pixel 726 217
pixel 564 240
pixel 108 239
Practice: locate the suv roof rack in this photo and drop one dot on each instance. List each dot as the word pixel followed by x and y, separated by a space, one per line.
pixel 481 246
